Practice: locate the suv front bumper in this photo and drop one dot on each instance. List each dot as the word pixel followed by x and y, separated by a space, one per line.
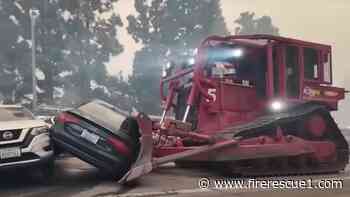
pixel 38 152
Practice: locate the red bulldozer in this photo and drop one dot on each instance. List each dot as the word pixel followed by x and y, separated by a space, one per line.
pixel 249 105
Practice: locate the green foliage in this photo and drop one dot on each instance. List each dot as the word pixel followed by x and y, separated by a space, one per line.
pixel 248 24
pixel 169 30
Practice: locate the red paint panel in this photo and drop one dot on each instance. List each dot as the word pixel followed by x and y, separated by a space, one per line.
pixel 238 99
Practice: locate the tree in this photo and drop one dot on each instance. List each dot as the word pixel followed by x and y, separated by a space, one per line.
pixel 248 24
pixel 169 30
pixel 74 39
pixel 91 43
pixel 48 44
pixel 10 80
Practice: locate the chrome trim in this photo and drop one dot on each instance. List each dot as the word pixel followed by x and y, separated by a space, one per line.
pixel 186 113
pixel 24 133
pixel 19 162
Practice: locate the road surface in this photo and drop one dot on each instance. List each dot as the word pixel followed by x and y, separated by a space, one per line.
pixel 74 178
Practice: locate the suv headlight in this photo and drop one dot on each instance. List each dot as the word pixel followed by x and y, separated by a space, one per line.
pixel 39 130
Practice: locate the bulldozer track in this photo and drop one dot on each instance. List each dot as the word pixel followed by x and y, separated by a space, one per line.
pixel 274 118
pixel 288 165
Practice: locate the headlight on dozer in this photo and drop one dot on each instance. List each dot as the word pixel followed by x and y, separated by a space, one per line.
pixel 39 130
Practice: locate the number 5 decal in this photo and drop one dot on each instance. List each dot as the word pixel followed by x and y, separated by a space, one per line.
pixel 212 94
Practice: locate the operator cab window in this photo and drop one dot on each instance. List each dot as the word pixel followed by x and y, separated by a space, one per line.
pixel 235 61
pixel 243 65
pixel 327 72
pixel 311 64
pixel 292 66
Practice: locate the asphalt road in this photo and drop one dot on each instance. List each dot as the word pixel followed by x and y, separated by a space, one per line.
pixel 74 178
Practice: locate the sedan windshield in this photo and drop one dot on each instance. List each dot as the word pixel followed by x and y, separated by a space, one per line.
pixel 104 114
pixel 15 113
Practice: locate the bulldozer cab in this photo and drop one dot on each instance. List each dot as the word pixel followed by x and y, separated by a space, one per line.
pixel 275 66
pixel 236 79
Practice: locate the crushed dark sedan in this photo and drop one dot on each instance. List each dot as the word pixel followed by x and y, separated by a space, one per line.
pixel 99 134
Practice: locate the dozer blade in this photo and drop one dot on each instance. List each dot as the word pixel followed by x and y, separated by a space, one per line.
pixel 143 163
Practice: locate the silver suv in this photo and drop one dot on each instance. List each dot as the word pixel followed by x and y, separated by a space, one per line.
pixel 24 140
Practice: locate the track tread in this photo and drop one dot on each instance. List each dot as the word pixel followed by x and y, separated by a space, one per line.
pixel 298 113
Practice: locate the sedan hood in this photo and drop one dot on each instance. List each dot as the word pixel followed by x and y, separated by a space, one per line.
pixel 21 124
